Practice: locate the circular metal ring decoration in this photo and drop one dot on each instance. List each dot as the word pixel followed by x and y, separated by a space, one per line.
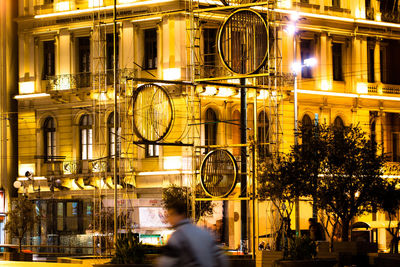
pixel 219 173
pixel 242 42
pixel 152 112
pixel 237 2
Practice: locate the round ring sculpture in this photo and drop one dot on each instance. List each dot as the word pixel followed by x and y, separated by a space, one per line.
pixel 219 173
pixel 237 2
pixel 152 112
pixel 243 42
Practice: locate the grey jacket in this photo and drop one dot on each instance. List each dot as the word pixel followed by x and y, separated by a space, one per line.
pixel 191 246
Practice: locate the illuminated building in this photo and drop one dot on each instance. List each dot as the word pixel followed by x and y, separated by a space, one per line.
pixel 66 127
pixel 8 106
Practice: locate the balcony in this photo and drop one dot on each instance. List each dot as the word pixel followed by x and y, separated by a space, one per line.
pixel 391 16
pixel 370 13
pixel 383 89
pixel 103 165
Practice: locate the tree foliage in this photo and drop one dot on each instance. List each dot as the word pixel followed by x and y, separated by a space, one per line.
pixel 21 218
pixel 338 168
pixel 176 196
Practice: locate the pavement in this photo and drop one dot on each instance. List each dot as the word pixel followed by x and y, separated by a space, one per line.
pixel 84 263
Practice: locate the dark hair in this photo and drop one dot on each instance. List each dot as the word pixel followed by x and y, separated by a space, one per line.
pixel 312 220
pixel 178 206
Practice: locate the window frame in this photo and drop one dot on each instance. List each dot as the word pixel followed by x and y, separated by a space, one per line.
pixel 152 150
pixel 111 136
pixel 86 134
pixel 211 128
pixel 263 133
pixel 49 139
pixel 49 57
pixel 150 42
pixel 337 62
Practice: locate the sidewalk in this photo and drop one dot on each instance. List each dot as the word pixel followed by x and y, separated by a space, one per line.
pixel 85 263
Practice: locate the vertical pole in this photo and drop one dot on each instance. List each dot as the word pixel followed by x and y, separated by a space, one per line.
pixel 254 187
pixel 116 125
pixel 296 141
pixel 243 160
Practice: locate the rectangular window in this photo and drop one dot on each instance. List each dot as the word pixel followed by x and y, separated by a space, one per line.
pixel 396 147
pixel 110 51
pixel 60 216
pixel 336 3
pixel 48 59
pixel 371 64
pixel 150 49
pixel 83 76
pixel 210 50
pixel 152 151
pixel 306 53
pixel 337 62
pixel 46 2
pixel 112 141
pixel 72 216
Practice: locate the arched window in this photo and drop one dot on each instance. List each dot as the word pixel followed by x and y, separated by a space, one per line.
pixel 49 139
pixel 263 134
pixel 112 136
pixel 85 127
pixel 338 122
pixel 210 127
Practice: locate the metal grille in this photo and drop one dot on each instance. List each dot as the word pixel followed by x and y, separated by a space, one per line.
pixel 152 112
pixel 242 42
pixel 219 173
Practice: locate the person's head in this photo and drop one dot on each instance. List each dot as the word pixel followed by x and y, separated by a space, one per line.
pixel 312 221
pixel 176 212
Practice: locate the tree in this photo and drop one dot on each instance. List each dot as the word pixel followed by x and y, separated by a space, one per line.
pixel 351 176
pixel 174 195
pixel 279 185
pixel 390 203
pixel 21 218
pixel 338 168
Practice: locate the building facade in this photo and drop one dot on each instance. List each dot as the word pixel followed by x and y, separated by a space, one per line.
pixel 176 101
pixel 8 107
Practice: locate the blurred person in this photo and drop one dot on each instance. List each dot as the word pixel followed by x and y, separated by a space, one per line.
pixel 189 245
pixel 316 230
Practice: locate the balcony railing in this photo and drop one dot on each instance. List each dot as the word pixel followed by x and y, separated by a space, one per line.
pixel 370 13
pixel 391 16
pixel 390 89
pixel 102 165
pixel 86 79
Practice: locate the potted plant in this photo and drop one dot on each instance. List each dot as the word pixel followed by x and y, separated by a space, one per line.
pixel 301 253
pixel 129 251
pixel 20 219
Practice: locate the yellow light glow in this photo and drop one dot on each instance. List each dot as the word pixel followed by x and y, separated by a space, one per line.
pixel 125 1
pixel 62 6
pixel 378 16
pixel 31 96
pixel 111 7
pixel 146 19
pixel 377 97
pixel 210 91
pixel 285 4
pixel 362 88
pixel 171 172
pixel 325 85
pixel 26 87
pixel 226 92
pixel 172 163
pixel 311 92
pixel 263 94
pixel 23 168
pixel 172 74
pixel 95 3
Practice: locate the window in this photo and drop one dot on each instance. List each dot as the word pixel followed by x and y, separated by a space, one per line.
pixel 371 64
pixel 85 126
pixel 337 62
pixel 111 136
pixel 390 56
pixel 306 127
pixel 336 3
pixel 210 128
pixel 338 122
pixel 372 124
pixel 396 147
pixel 210 50
pixel 263 134
pixel 394 126
pixel 306 53
pixel 48 60
pixel 110 57
pixel 152 150
pixel 46 2
pixel 150 49
pixel 83 77
pixel 49 136
pixel 304 1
